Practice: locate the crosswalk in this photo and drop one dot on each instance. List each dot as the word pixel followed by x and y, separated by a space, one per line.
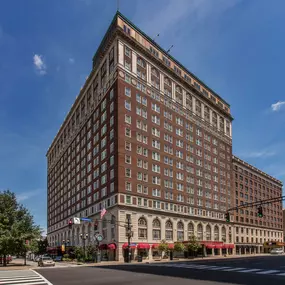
pixel 221 268
pixel 22 277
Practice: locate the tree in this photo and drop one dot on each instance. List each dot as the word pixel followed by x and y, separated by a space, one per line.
pixel 193 245
pixel 79 253
pixel 163 247
pixel 179 247
pixel 42 246
pixel 16 226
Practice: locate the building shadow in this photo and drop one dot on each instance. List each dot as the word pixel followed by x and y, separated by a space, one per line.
pixel 201 275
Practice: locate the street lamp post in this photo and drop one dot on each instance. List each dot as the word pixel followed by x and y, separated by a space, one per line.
pixel 129 235
pixel 65 242
pixel 84 237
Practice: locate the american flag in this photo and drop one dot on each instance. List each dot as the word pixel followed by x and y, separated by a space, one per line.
pixel 103 212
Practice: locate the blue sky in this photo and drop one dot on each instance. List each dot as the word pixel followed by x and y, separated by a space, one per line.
pixel 46 48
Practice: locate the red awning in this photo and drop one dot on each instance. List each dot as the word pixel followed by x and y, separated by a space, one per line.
pixel 218 246
pixel 171 245
pixel 155 245
pixel 125 245
pixel 112 246
pixel 210 245
pixel 143 246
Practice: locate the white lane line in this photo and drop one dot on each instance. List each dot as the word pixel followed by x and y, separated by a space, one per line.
pixel 234 269
pixel 249 270
pixel 19 278
pixel 33 283
pixel 48 283
pixel 21 281
pixel 280 274
pixel 268 272
pixel 220 268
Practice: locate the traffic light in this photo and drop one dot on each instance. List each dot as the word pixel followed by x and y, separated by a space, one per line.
pixel 260 212
pixel 96 225
pixel 70 223
pixel 228 217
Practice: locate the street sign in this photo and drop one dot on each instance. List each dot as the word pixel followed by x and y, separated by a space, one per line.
pixel 76 221
pixel 99 237
pixel 86 219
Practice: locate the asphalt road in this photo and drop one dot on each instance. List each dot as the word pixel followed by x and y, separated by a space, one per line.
pixel 245 271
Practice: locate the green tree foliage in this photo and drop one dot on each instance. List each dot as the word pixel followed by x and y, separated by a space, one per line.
pixel 79 253
pixel 163 246
pixel 16 226
pixel 193 245
pixel 179 247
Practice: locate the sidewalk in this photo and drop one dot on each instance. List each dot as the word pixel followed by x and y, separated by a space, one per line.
pixel 18 264
pixel 106 263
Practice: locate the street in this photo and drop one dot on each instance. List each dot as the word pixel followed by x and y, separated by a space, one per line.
pixel 246 271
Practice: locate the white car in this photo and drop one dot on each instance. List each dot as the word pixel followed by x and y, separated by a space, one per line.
pixel 277 251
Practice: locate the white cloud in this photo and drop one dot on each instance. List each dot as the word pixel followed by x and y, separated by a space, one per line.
pixel 71 60
pixel 28 195
pixel 259 154
pixel 39 64
pixel 277 106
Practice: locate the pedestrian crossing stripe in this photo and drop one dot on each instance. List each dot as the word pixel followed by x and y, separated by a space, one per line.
pixel 221 268
pixel 22 277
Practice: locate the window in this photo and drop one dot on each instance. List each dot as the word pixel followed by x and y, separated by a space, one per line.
pixel 127 132
pixel 128 119
pixel 156 192
pixel 156 230
pixel 128 172
pixel 142 228
pixel 180 231
pixel 168 230
pixel 128 159
pixel 128 105
pixel 128 52
pixel 128 186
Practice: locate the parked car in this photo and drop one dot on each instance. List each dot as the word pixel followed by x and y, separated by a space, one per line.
pixel 277 251
pixel 8 259
pixel 46 261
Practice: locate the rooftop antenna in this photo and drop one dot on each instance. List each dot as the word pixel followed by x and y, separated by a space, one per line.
pixel 170 48
pixel 155 37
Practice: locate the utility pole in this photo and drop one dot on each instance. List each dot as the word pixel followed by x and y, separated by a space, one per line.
pixel 129 234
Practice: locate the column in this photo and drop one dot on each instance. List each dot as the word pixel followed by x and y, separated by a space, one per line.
pixel 148 73
pixel 213 252
pixel 173 90
pixel 239 251
pixel 250 250
pixel 194 104
pixel 227 251
pixel 218 122
pixel 225 126
pixel 202 110
pixel 161 82
pixel 121 53
pixel 211 117
pixel 230 129
pixel 134 62
pixel 184 98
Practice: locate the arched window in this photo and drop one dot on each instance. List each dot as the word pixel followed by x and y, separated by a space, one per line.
pixel 216 233
pixel 224 237
pixel 156 231
pixel 190 230
pixel 142 228
pixel 208 233
pixel 180 231
pixel 200 232
pixel 168 230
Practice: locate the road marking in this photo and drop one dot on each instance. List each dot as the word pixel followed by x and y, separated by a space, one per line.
pixel 249 270
pixel 268 272
pixel 280 274
pixel 234 269
pixel 220 268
